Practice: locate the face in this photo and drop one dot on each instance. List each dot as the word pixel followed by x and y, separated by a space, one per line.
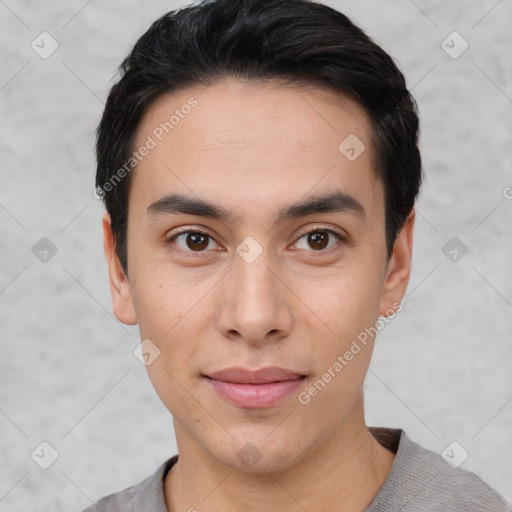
pixel 248 281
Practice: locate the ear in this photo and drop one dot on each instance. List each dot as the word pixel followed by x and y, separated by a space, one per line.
pixel 122 303
pixel 399 269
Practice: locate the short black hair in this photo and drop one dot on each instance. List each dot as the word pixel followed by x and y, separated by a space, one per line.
pixel 298 41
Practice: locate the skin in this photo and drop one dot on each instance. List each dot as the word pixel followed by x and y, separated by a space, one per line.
pixel 252 150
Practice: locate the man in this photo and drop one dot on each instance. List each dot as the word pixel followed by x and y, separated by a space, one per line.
pixel 259 164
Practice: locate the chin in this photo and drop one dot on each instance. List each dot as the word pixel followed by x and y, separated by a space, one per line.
pixel 258 455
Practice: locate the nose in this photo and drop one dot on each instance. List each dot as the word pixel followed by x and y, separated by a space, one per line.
pixel 255 301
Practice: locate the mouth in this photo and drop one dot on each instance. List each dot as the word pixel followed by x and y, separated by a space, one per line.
pixel 254 389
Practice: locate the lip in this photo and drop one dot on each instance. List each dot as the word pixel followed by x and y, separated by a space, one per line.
pixel 259 388
pixel 241 375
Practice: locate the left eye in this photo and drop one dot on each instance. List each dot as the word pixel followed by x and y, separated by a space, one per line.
pixel 319 238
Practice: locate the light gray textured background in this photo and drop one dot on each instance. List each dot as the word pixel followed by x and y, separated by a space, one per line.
pixel 442 370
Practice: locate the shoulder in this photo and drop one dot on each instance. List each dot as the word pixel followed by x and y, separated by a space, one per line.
pixel 449 488
pixel 117 502
pixel 146 495
pixel 421 480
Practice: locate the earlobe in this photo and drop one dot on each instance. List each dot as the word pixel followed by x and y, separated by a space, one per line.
pixel 399 269
pixel 122 302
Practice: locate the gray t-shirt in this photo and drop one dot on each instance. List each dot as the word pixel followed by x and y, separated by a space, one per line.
pixel 419 481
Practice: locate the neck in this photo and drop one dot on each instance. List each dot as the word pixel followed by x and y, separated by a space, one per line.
pixel 349 469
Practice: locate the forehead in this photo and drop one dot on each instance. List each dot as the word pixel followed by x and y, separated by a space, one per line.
pixel 237 142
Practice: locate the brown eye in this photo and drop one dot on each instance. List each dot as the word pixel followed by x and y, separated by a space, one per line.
pixel 318 239
pixel 197 241
pixel 191 241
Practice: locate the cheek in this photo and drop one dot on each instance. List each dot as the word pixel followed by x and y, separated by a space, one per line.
pixel 343 301
pixel 164 299
pixel 174 392
pixel 350 310
pixel 169 315
pixel 177 333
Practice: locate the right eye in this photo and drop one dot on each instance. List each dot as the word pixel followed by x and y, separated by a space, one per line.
pixel 190 240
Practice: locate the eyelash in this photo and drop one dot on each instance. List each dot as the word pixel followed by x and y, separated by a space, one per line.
pixel 338 236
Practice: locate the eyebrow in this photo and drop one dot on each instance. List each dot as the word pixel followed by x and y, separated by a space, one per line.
pixel 333 202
